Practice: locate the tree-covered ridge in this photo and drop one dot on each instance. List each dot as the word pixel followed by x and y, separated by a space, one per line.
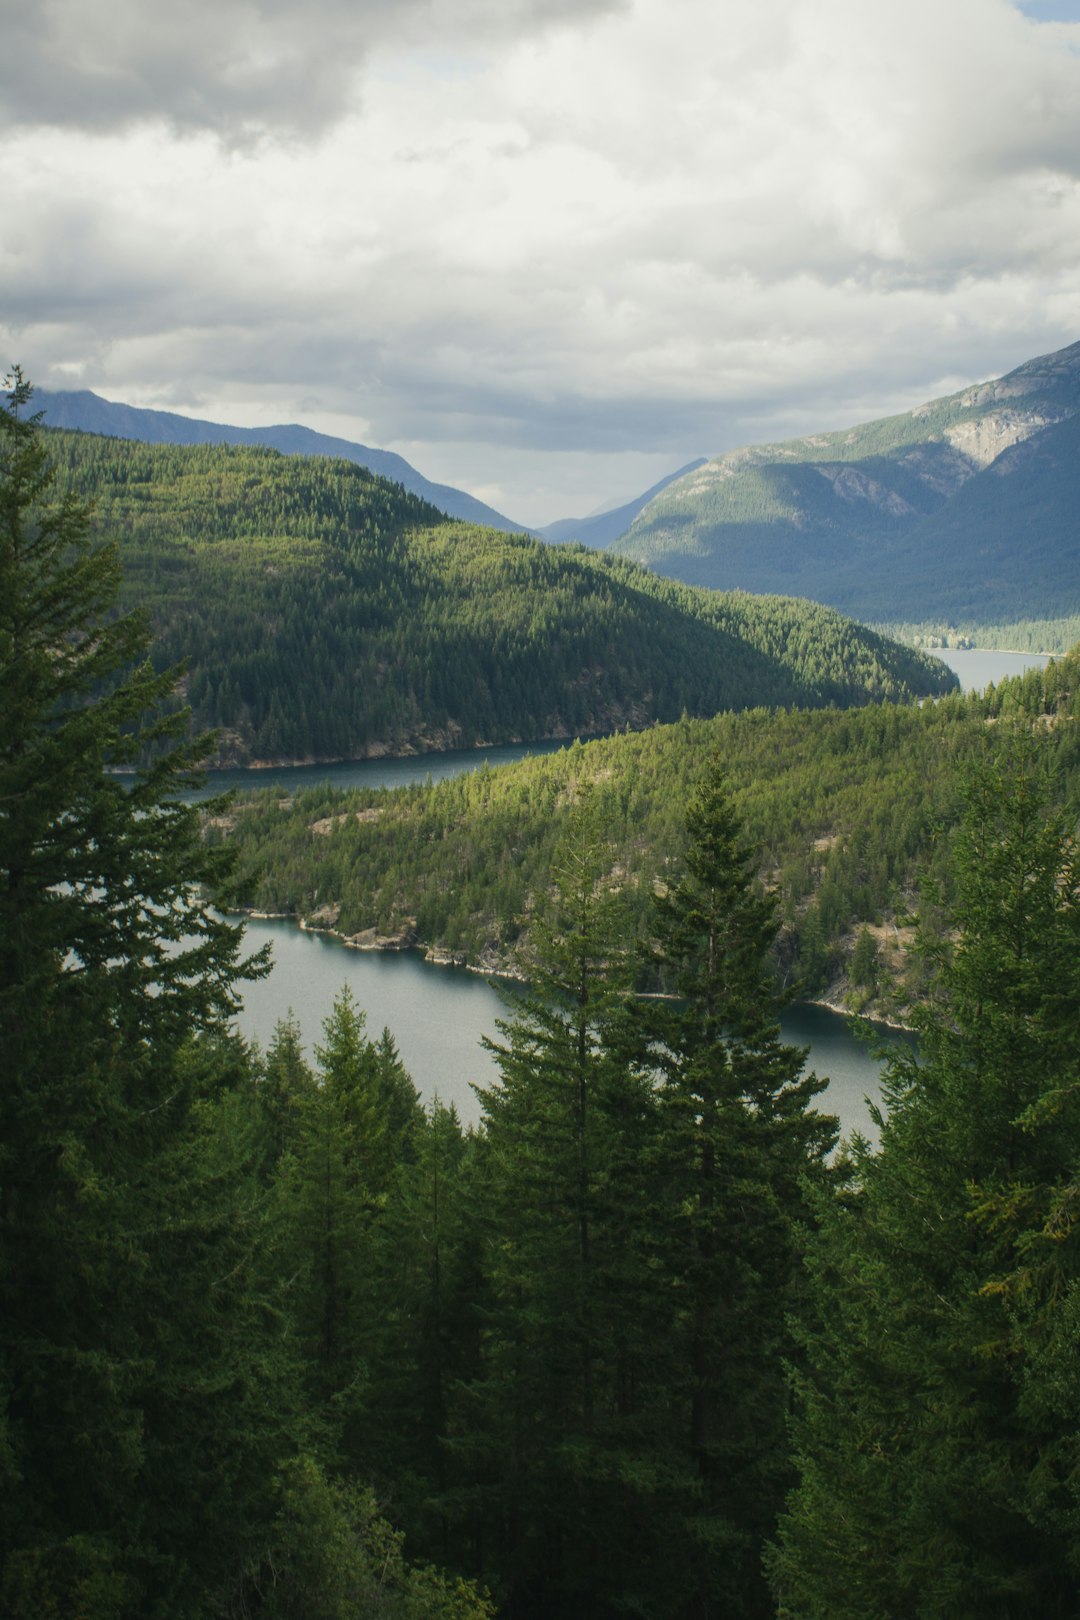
pixel 85 412
pixel 964 507
pixel 844 807
pixel 324 613
pixel 277 1342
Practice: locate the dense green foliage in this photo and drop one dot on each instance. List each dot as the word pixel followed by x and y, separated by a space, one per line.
pixel 843 808
pixel 937 1422
pixel 277 1342
pixel 643 1170
pixel 156 1455
pixel 323 613
pixel 1021 635
pixel 933 513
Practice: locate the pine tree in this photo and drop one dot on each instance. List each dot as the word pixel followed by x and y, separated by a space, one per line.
pixel 116 981
pixel 538 1428
pixel 284 1088
pixel 937 1423
pixel 737 1139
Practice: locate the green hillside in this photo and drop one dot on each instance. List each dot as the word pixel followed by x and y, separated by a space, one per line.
pixel 324 613
pixel 844 806
pixel 86 412
pixel 964 509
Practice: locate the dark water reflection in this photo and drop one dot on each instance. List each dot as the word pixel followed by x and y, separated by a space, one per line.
pixel 439 1015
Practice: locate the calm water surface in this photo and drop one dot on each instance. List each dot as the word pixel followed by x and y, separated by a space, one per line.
pixel 977 668
pixel 373 773
pixel 438 1017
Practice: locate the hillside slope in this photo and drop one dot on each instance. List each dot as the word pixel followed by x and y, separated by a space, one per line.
pixel 602 528
pixel 845 809
pixel 965 507
pixel 86 412
pixel 326 614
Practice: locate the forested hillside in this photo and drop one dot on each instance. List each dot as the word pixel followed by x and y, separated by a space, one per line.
pixel 961 512
pixel 843 807
pixel 324 614
pixel 275 1341
pixel 86 412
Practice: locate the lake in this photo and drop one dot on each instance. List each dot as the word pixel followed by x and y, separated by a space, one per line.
pixel 439 1015
pixel 977 666
pixel 371 773
pixel 976 669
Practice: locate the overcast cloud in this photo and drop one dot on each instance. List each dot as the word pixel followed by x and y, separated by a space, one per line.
pixel 546 251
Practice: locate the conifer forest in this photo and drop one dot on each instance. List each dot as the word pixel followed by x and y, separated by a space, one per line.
pixel 280 1342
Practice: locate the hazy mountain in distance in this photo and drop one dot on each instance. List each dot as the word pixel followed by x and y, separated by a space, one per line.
pixel 89 413
pixel 601 528
pixel 963 510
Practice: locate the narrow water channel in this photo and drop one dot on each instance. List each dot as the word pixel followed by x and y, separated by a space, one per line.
pixel 439 1016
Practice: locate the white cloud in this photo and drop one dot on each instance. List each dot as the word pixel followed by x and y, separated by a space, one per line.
pixel 241 68
pixel 514 234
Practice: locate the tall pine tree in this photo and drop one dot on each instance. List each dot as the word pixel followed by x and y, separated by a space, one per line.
pixel 126 1197
pixel 937 1423
pixel 538 1433
pixel 737 1140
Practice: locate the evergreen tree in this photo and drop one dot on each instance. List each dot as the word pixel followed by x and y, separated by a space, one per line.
pixel 539 1438
pixel 737 1139
pixel 125 1190
pixel 285 1087
pixel 154 1456
pixel 937 1423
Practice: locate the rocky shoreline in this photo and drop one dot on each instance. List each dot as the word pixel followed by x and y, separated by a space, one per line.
pixel 322 921
pixel 491 966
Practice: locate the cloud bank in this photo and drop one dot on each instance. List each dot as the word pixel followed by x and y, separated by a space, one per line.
pixel 537 247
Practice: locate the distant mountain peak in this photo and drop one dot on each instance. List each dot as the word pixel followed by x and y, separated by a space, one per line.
pixel 87 412
pixel 613 519
pixel 961 510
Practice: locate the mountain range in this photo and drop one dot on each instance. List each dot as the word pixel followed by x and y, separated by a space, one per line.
pixel 963 510
pixel 959 513
pixel 86 412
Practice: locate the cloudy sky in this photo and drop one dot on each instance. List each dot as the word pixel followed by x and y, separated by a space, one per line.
pixel 548 250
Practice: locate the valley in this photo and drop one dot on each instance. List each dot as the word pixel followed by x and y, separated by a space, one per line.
pixel 348 1339
pixel 846 810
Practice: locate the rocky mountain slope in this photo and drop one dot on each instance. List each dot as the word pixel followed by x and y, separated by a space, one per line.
pixel 963 509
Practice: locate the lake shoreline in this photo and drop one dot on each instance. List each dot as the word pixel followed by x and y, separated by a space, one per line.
pixel 441 956
pixel 446 1026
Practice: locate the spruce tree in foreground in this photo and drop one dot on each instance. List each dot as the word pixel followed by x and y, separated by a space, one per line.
pixel 937 1428
pixel 737 1142
pixel 646 1163
pixel 122 1219
pixel 154 1459
pixel 542 1441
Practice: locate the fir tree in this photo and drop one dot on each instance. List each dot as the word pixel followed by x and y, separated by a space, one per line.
pixel 737 1139
pixel 937 1423
pixel 125 1190
pixel 539 1436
